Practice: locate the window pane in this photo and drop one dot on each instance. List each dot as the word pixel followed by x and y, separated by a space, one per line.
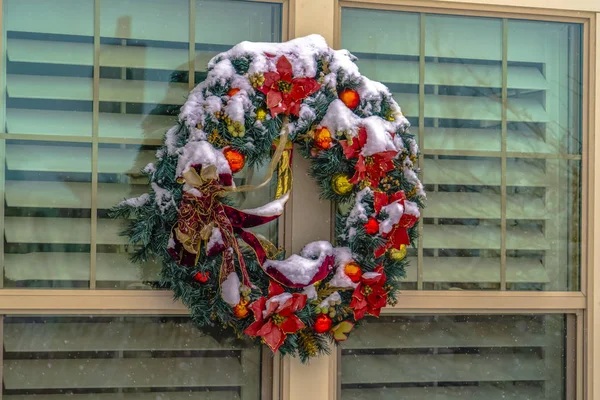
pixel 47 111
pixel 124 357
pixel 456 357
pixel 503 191
pixel 143 93
pixel 51 164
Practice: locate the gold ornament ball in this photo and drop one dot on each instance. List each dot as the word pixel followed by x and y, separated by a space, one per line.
pixel 261 114
pixel 341 184
pixel 398 254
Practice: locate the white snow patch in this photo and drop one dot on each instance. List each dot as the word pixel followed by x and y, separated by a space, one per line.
pixel 149 169
pixel 330 300
pixel 394 212
pixel 275 207
pixel 358 213
pixel 216 238
pixel 378 136
pixel 201 153
pixel 280 300
pixel 301 269
pixel 340 118
pixel 162 197
pixel 230 290
pixel 136 201
pixel 342 257
pixel 371 275
pixel 310 292
pixel 171 140
pixel 411 208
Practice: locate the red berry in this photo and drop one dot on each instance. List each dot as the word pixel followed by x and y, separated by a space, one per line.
pixel 372 226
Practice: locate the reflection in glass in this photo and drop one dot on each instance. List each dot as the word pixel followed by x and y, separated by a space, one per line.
pixel 468 356
pixel 503 205
pixel 124 357
pixel 47 177
pixel 144 81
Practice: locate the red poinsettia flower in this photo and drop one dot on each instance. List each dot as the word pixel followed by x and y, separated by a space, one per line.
pixel 398 234
pixel 371 168
pixel 285 93
pixel 275 317
pixel 370 295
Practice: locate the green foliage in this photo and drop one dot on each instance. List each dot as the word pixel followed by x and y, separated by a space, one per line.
pixel 150 225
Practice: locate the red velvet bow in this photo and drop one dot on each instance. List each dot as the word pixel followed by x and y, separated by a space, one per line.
pixel 399 234
pixel 371 168
pixel 284 93
pixel 200 216
pixel 275 317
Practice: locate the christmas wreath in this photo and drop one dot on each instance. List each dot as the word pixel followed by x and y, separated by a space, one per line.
pixel 257 100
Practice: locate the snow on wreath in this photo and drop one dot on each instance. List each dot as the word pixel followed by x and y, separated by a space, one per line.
pixel 257 100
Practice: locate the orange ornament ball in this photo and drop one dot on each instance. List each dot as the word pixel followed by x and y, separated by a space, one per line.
pixel 241 309
pixel 202 277
pixel 350 98
pixel 353 271
pixel 235 159
pixel 233 91
pixel 322 139
pixel 322 324
pixel 372 226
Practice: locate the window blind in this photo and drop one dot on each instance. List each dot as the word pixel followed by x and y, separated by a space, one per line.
pixel 72 153
pixel 48 358
pixel 496 106
pixel 456 357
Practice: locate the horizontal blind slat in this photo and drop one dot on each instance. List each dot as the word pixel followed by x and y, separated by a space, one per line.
pixel 482 108
pixel 481 391
pixel 482 237
pixel 108 336
pixel 478 269
pixel 111 125
pixel 440 334
pixel 122 373
pixel 80 89
pixel 67 194
pixel 481 205
pixel 133 56
pixel 61 230
pixel 452 74
pixel 414 368
pixel 75 267
pixel 484 172
pixel 76 159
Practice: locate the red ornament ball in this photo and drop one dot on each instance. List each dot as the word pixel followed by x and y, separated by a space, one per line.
pixel 235 159
pixel 233 91
pixel 202 277
pixel 372 226
pixel 353 271
pixel 323 139
pixel 350 98
pixel 322 324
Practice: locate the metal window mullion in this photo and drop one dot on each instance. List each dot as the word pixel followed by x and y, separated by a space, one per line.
pixel 421 140
pixel 192 46
pixel 2 140
pixel 95 118
pixel 503 194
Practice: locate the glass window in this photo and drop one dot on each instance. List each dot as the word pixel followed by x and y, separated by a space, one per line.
pixel 496 105
pixel 456 357
pixel 71 153
pixel 124 357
